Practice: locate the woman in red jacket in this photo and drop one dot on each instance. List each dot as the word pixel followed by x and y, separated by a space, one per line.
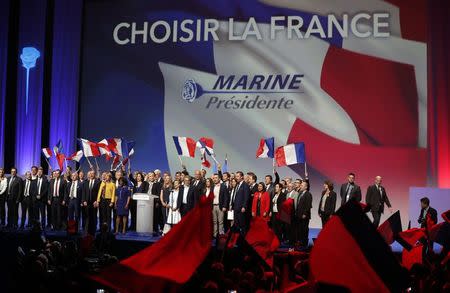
pixel 261 202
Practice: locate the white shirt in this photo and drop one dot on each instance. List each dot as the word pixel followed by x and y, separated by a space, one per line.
pixel 3 185
pixel 173 199
pixel 233 192
pixel 275 205
pixel 56 187
pixel 73 189
pixel 185 194
pixel 150 186
pixel 26 192
pixel 216 194
pixel 39 185
pixel 324 200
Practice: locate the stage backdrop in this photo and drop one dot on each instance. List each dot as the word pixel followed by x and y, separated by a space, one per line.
pixel 346 77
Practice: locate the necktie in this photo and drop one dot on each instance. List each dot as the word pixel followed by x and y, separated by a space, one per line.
pixel 27 184
pixel 39 186
pixel 91 183
pixel 72 190
pixel 232 198
pixel 10 184
pixel 55 188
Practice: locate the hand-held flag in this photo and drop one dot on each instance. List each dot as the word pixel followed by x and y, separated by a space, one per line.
pixel 47 153
pixel 372 267
pixel 60 158
pixel 77 156
pixel 130 147
pixel 266 148
pixel 90 149
pixel 207 144
pixel 58 147
pixel 104 149
pixel 184 248
pixel 205 162
pixel 185 146
pixel 290 154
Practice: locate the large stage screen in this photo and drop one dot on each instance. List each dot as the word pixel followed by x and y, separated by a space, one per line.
pixel 346 77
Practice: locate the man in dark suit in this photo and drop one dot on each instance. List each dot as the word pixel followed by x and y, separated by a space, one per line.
pixel 25 202
pixel 39 190
pixel 15 189
pixel 186 196
pixel 350 190
pixel 251 179
pixel 240 202
pixel 89 192
pixel 376 197
pixel 198 185
pixel 154 188
pixel 72 198
pixel 303 214
pixel 270 185
pixel 55 198
pixel 426 212
pixel 3 195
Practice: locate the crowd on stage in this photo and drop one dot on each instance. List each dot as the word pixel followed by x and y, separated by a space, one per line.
pixel 93 200
pixel 82 200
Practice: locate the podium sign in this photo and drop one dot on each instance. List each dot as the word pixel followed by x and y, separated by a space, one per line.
pixel 144 212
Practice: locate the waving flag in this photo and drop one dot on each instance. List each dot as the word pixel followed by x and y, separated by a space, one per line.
pixel 104 149
pixel 290 154
pixel 47 152
pixel 90 149
pixel 185 146
pixel 114 145
pixel 130 147
pixel 373 266
pixel 60 157
pixel 207 144
pixel 77 156
pixel 266 148
pixel 58 147
pixel 205 162
pixel 185 247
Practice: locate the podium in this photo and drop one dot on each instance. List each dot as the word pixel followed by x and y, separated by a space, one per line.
pixel 144 212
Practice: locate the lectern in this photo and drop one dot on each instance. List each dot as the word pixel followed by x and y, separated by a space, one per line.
pixel 144 212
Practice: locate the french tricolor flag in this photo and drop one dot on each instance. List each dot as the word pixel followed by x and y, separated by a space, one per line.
pixel 47 152
pixel 266 148
pixel 290 154
pixel 77 156
pixel 90 149
pixel 185 146
pixel 207 144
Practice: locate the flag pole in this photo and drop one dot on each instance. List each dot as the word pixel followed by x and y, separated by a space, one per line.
pixel 48 163
pixel 96 164
pixel 181 160
pixel 306 171
pixel 65 163
pixel 214 158
pixel 90 164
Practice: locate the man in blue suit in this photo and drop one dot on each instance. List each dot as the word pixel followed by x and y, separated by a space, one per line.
pixel 72 198
pixel 239 202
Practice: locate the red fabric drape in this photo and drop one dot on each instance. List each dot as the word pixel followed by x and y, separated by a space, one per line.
pixel 439 92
